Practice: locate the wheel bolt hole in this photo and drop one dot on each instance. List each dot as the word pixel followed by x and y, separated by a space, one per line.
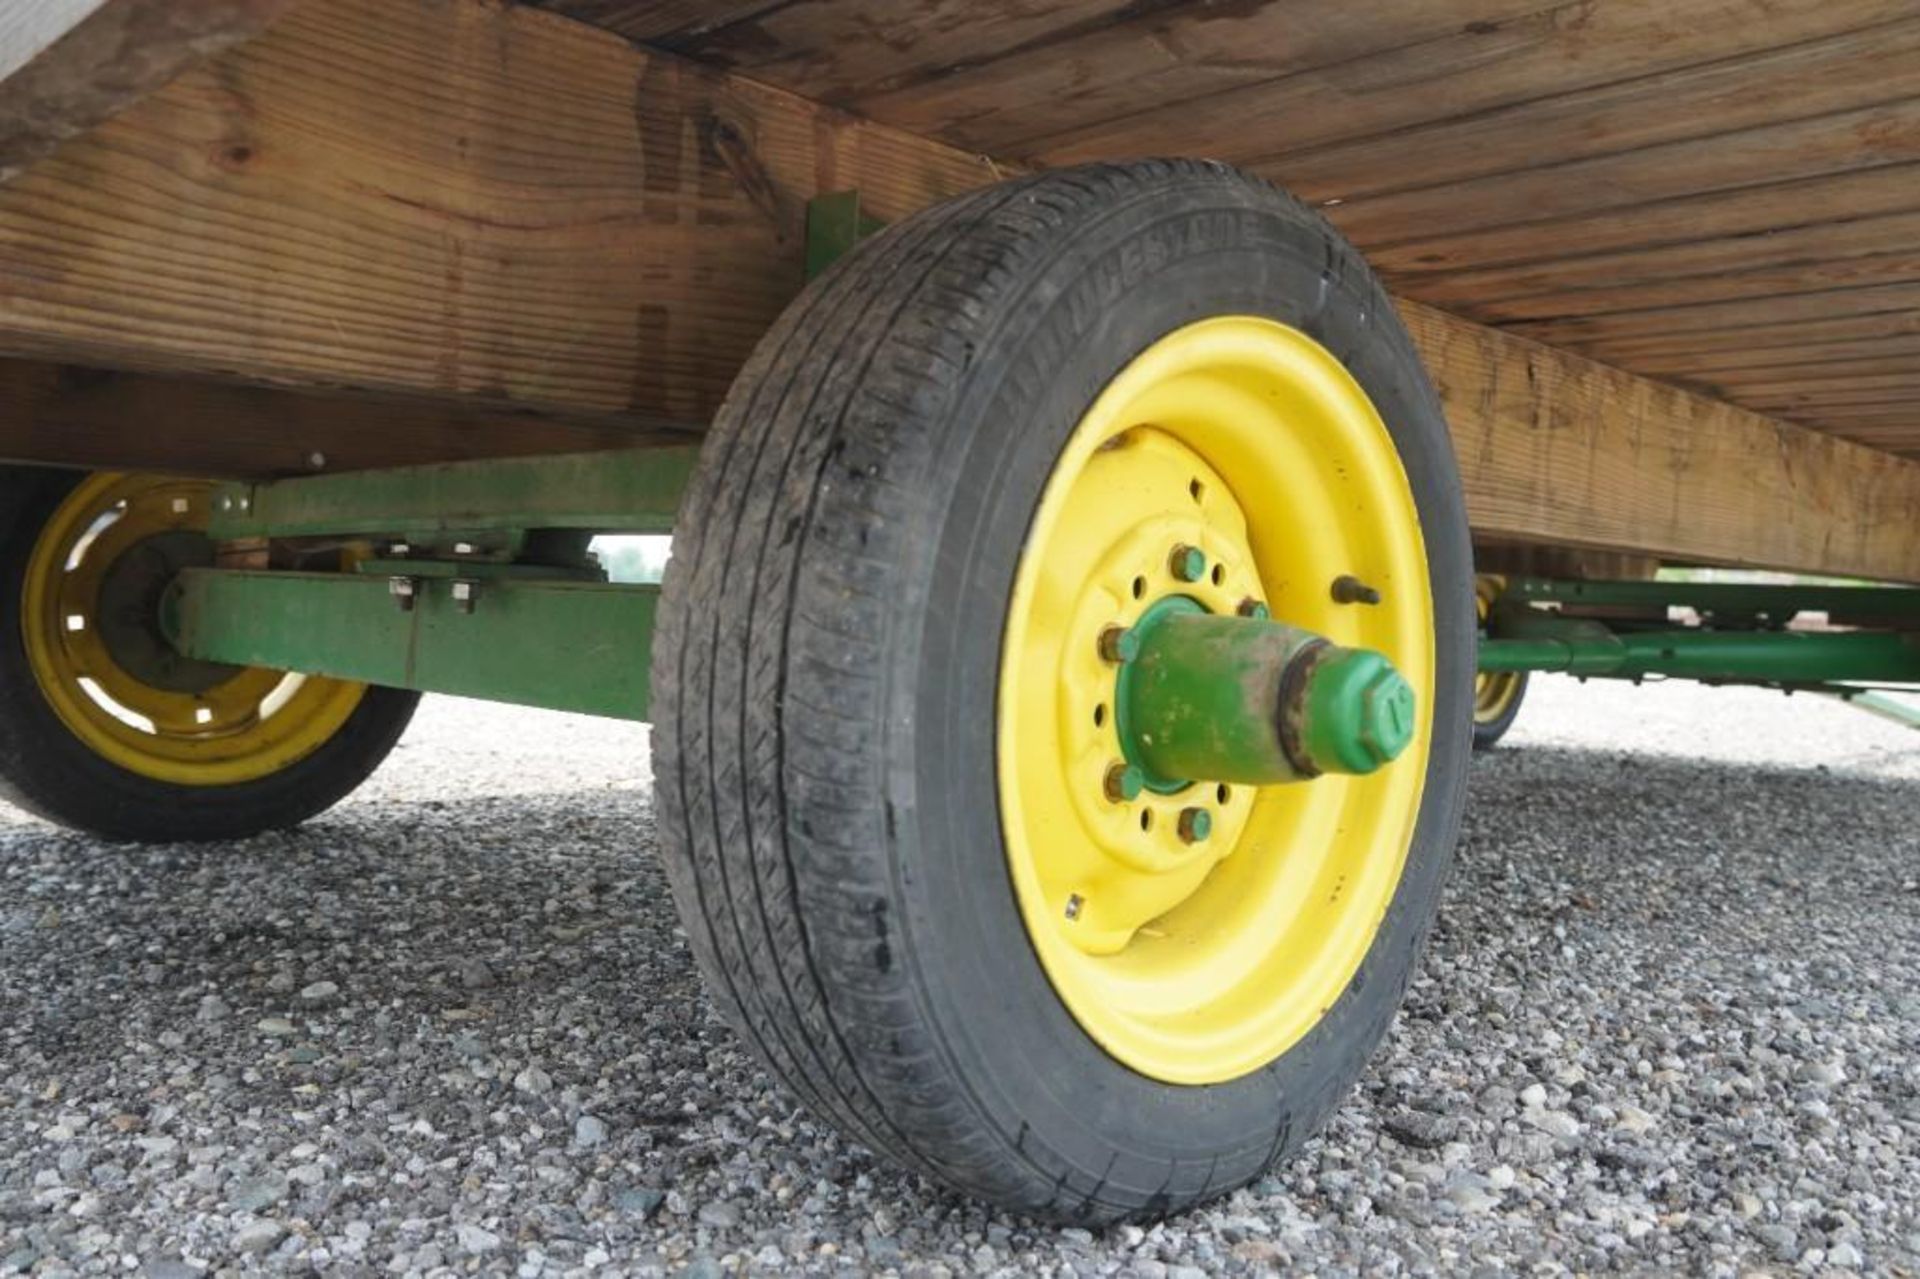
pixel 1196 488
pixel 1146 819
pixel 1222 793
pixel 1139 587
pixel 1219 574
pixel 1100 715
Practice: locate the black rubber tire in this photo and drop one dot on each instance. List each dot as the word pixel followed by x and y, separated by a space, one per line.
pixel 825 672
pixel 51 773
pixel 1487 733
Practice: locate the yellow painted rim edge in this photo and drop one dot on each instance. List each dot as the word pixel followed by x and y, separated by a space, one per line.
pixel 1296 437
pixel 310 717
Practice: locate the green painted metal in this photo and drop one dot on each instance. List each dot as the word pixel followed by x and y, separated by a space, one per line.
pixel 1547 643
pixel 1236 699
pixel 565 645
pixel 479 570
pixel 1779 604
pixel 1906 714
pixel 622 490
pixel 1359 711
pixel 835 224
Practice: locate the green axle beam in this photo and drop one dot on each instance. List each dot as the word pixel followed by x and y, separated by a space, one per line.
pixel 564 645
pixel 1767 603
pixel 1744 644
pixel 1777 657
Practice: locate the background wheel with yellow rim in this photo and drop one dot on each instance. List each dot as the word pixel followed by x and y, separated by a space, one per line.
pixel 1064 685
pixel 1496 697
pixel 103 726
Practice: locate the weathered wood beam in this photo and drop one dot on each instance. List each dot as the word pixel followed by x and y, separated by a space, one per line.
pixel 93 417
pixel 1558 449
pixel 66 65
pixel 454 197
pixel 499 208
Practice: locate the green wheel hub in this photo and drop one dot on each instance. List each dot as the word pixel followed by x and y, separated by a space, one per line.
pixel 1202 697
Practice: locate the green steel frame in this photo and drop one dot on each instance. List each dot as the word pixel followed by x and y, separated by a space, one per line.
pixel 624 490
pixel 564 645
pixel 472 578
pixel 1728 600
pixel 1622 630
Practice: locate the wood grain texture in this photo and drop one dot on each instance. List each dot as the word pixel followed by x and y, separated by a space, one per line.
pixel 79 416
pixel 1591 283
pixel 1526 162
pixel 1553 448
pixel 1738 87
pixel 512 214
pixel 66 65
pixel 451 198
pixel 1480 63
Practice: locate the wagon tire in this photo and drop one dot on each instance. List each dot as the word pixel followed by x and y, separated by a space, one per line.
pixel 67 541
pixel 830 736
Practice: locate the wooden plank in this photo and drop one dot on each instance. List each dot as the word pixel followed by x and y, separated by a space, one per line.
pixel 1783 279
pixel 66 65
pixel 1758 209
pixel 1155 58
pixel 1739 87
pixel 1839 142
pixel 449 198
pixel 830 50
pixel 505 210
pixel 1733 370
pixel 1764 341
pixel 1722 316
pixel 663 22
pixel 1478 66
pixel 1554 448
pixel 79 416
pixel 1588 279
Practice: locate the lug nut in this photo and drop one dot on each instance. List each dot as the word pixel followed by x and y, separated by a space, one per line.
pixel 1195 825
pixel 1253 608
pixel 1119 644
pixel 1124 782
pixel 1189 563
pixel 1348 589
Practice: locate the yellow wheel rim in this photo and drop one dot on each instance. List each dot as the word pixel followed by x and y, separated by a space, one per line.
pixel 1200 962
pixel 1493 695
pixel 215 726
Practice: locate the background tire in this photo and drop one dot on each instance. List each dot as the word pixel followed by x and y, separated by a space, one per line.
pixel 1501 712
pixel 51 772
pixel 1496 698
pixel 825 676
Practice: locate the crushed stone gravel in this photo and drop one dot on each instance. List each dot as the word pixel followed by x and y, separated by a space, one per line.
pixel 1670 1021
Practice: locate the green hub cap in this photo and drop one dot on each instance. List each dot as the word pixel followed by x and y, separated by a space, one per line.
pixel 1248 700
pixel 1359 712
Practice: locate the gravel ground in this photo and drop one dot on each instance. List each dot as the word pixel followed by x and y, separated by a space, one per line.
pixel 1670 1022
